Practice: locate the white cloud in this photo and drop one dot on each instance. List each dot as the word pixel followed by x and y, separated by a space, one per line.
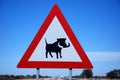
pixel 104 56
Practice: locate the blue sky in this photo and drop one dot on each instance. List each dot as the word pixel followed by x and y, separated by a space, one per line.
pixel 96 24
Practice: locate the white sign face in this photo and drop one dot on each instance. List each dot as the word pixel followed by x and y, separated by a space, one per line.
pixel 55 31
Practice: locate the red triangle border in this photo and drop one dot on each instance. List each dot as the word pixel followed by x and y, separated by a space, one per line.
pixel 25 63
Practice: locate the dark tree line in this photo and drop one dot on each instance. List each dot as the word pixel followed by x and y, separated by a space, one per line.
pixel 87 73
pixel 13 77
pixel 113 74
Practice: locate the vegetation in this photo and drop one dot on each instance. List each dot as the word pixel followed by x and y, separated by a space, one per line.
pixel 87 73
pixel 13 77
pixel 113 74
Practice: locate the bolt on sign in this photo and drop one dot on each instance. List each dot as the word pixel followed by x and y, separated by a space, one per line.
pixel 55 46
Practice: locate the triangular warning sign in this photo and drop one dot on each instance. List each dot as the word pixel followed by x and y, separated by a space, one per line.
pixel 55 46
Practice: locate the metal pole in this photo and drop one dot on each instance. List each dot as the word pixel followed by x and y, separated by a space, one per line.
pixel 70 73
pixel 37 73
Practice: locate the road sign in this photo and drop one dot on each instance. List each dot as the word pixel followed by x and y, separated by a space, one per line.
pixel 55 46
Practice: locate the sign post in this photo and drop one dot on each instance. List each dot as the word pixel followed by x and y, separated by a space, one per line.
pixel 37 73
pixel 70 73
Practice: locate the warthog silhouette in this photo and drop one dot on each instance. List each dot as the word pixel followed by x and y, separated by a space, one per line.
pixel 56 47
